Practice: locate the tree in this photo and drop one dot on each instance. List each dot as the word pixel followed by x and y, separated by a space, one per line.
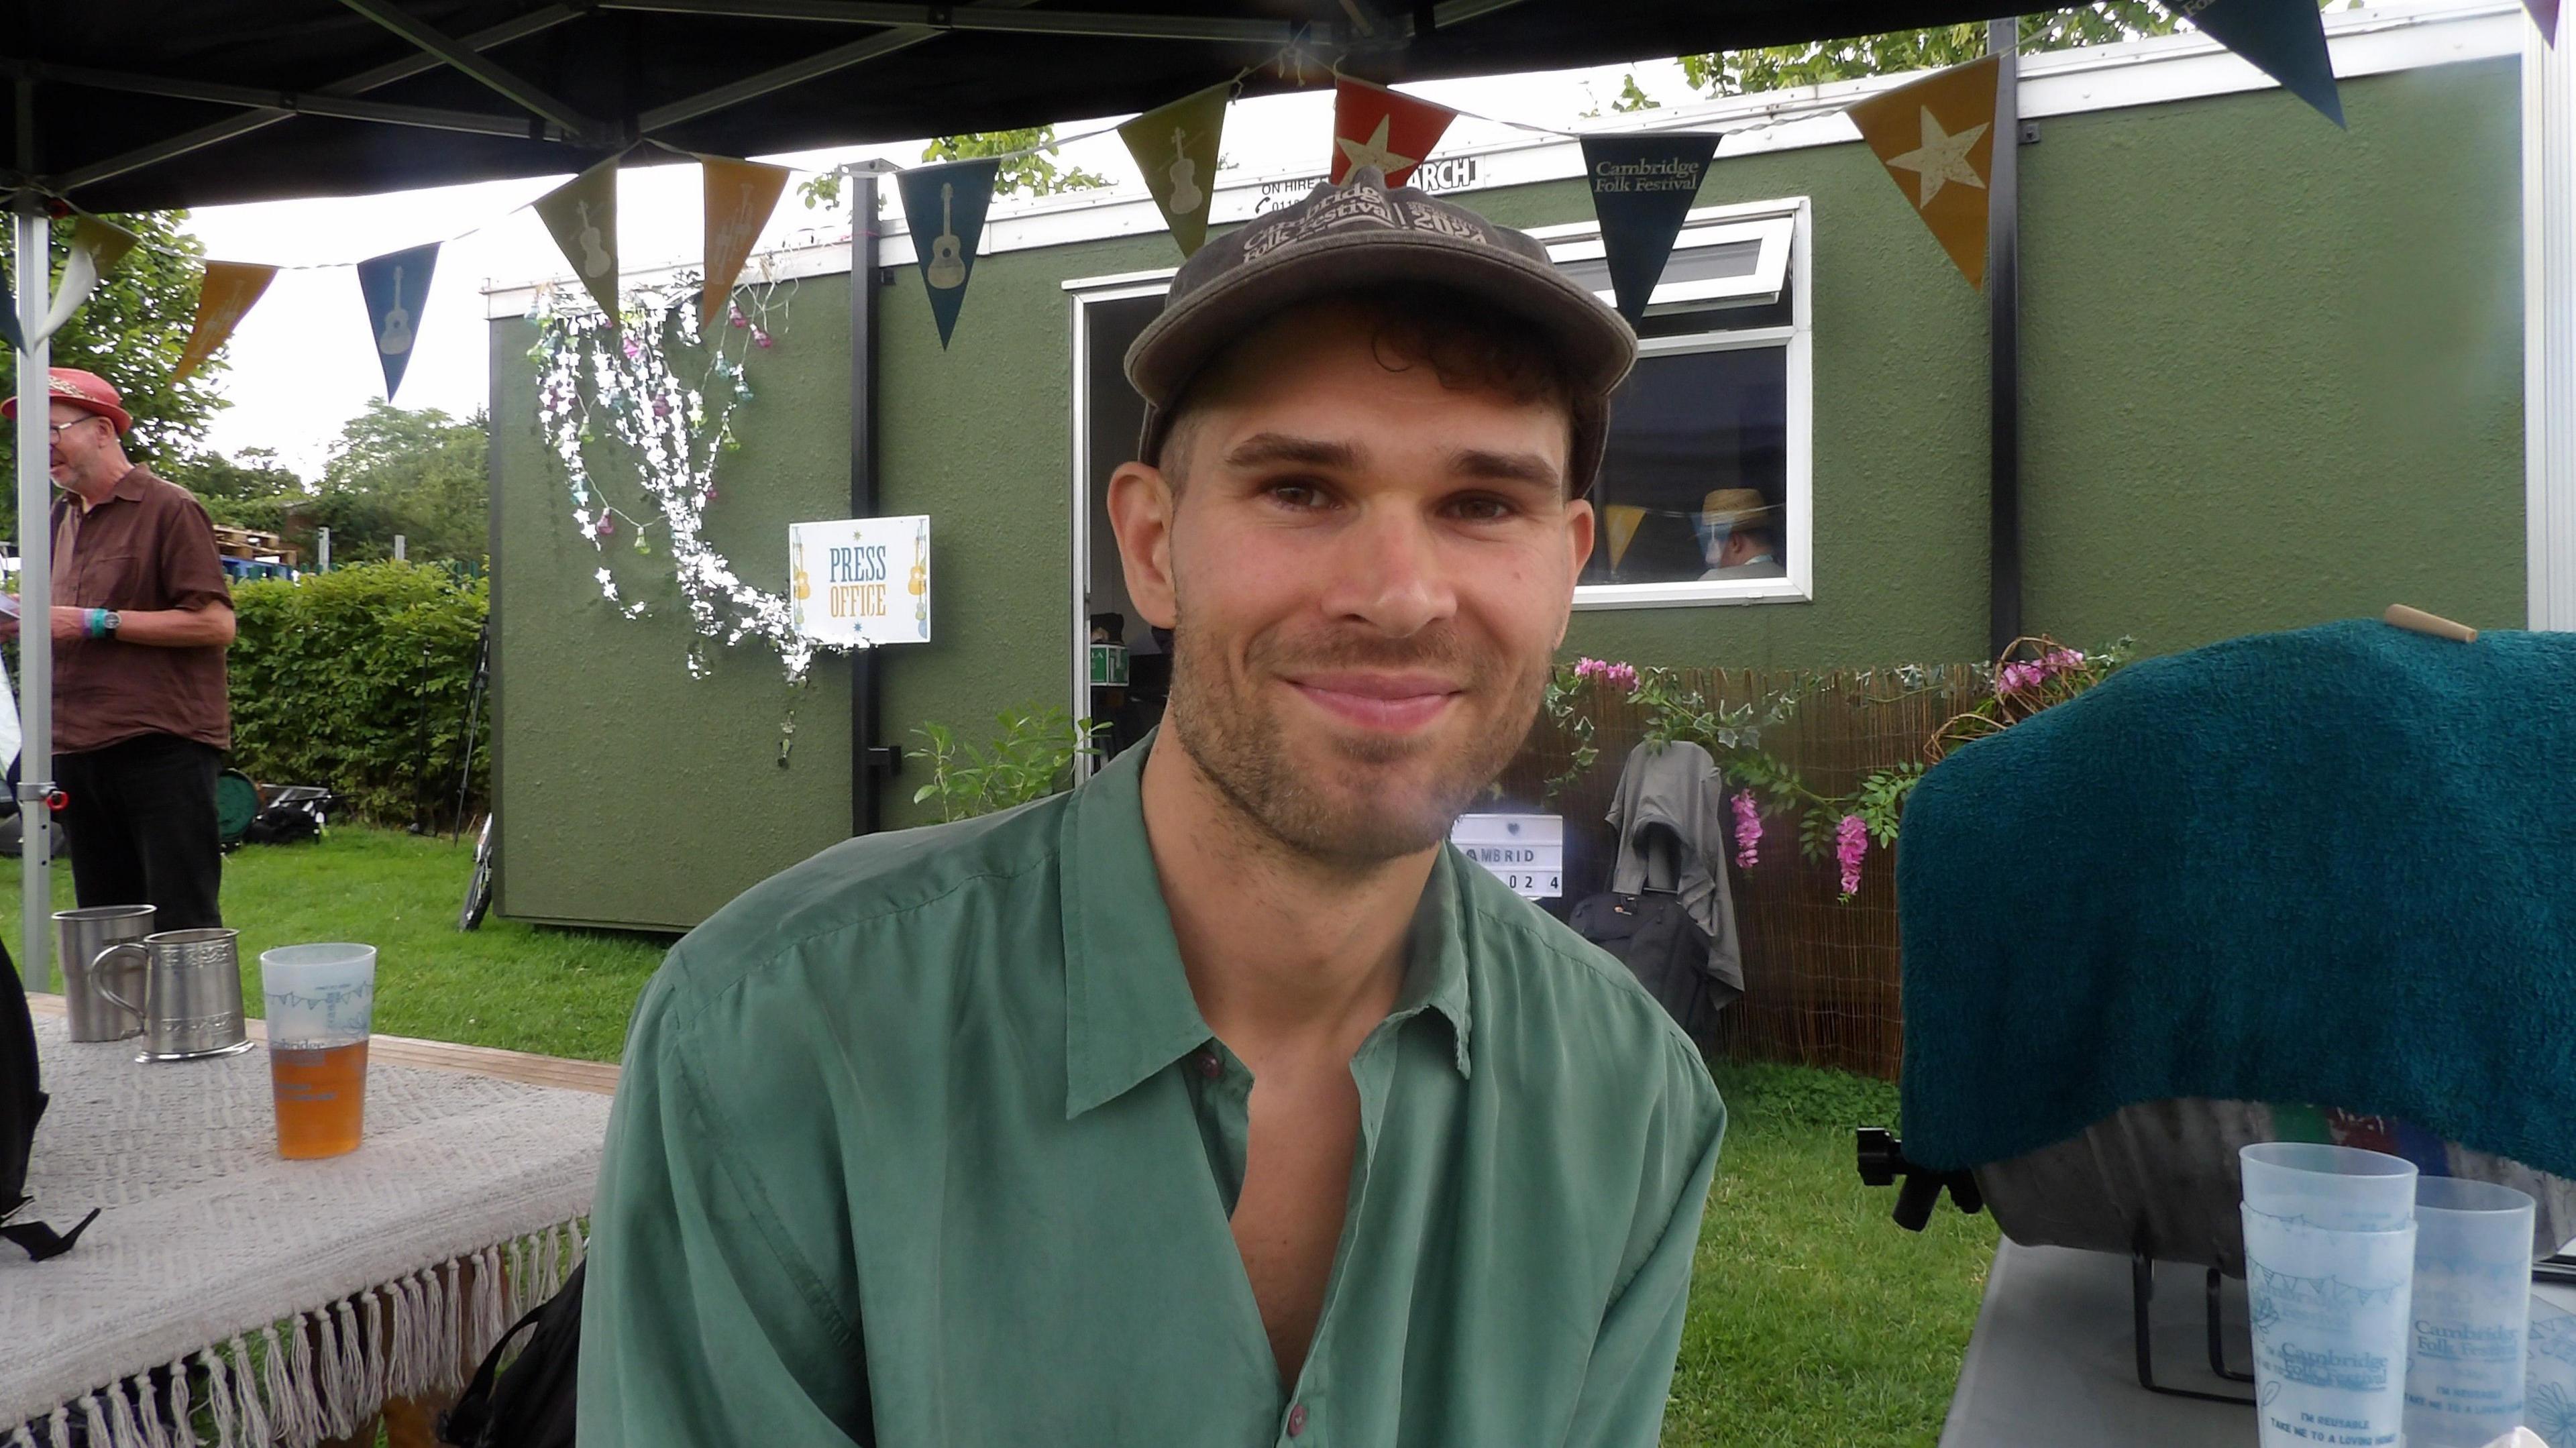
pixel 395 470
pixel 250 476
pixel 131 332
pixel 1030 175
pixel 1815 62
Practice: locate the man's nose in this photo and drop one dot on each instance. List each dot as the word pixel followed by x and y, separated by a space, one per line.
pixel 1391 573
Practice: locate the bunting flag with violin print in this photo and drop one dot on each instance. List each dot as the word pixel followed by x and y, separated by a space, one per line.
pixel 396 288
pixel 944 206
pixel 581 215
pixel 2284 39
pixel 739 197
pixel 2544 13
pixel 1642 189
pixel 1374 126
pixel 1937 139
pixel 97 247
pixel 1175 146
pixel 225 295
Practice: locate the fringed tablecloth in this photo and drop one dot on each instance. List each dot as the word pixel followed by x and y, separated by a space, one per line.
pixel 302 1293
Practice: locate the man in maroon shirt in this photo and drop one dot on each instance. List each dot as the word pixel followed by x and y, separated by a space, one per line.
pixel 141 619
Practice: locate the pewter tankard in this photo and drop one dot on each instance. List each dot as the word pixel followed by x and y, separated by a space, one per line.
pixel 192 997
pixel 85 933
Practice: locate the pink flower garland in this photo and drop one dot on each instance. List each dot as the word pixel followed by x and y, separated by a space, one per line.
pixel 1622 676
pixel 1851 841
pixel 1748 829
pixel 2021 677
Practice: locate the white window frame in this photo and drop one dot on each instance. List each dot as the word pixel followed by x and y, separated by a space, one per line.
pixel 1086 292
pixel 1787 231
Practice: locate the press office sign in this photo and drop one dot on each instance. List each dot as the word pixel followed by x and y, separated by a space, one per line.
pixel 1524 851
pixel 860 581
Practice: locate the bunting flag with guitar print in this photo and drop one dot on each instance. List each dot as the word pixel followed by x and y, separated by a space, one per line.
pixel 944 206
pixel 2284 39
pixel 1374 126
pixel 97 247
pixel 1175 146
pixel 2544 13
pixel 225 295
pixel 396 288
pixel 581 215
pixel 1937 139
pixel 1642 190
pixel 739 197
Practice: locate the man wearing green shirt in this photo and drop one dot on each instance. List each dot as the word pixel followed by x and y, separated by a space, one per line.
pixel 1217 1102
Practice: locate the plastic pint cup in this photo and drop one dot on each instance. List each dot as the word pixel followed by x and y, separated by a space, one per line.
pixel 321 1007
pixel 2330 1332
pixel 2339 1188
pixel 2472 1312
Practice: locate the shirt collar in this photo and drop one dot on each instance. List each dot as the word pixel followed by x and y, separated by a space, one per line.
pixel 129 487
pixel 1128 1009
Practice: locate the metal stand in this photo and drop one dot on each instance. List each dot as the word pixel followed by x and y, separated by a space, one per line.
pixel 2142 1292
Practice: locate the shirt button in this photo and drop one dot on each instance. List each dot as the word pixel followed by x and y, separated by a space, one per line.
pixel 1296 1420
pixel 1204 1062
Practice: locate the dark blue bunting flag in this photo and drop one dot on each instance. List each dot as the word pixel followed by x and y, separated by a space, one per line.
pixel 1642 187
pixel 944 206
pixel 2284 39
pixel 396 287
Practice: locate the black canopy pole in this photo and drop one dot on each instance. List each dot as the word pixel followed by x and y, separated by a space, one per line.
pixel 2003 302
pixel 867 759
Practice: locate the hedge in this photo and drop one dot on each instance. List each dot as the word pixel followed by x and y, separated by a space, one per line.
pixel 357 679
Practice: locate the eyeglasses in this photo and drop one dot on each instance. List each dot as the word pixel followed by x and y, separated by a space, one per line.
pixel 56 428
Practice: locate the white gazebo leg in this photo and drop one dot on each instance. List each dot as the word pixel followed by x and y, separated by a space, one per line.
pixel 35 596
pixel 2549 325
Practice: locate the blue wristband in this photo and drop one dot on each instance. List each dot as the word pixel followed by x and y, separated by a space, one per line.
pixel 94 623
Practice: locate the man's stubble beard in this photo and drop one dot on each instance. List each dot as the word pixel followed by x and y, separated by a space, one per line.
pixel 1243 750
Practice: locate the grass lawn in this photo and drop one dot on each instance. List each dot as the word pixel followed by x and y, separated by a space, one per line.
pixel 1814 1320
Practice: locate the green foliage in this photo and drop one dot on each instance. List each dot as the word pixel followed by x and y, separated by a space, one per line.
pixel 131 332
pixel 1031 759
pixel 1021 175
pixel 1817 62
pixel 254 475
pixel 357 679
pixel 392 471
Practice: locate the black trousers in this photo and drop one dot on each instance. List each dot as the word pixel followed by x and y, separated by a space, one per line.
pixel 140 817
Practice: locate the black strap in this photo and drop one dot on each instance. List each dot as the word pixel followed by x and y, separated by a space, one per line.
pixel 41 1241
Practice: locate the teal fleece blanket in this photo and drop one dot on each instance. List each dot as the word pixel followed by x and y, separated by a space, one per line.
pixel 2335 866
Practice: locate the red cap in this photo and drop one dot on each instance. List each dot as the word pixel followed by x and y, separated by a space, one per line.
pixel 85 390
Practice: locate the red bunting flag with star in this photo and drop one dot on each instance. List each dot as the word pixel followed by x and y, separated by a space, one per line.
pixel 1374 126
pixel 1936 138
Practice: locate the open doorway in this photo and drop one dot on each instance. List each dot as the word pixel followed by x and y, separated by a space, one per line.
pixel 1121 667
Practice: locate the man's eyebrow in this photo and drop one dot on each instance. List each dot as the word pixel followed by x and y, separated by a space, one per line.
pixel 1505 467
pixel 1264 449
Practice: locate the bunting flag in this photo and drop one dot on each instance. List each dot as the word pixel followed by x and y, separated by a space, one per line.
pixel 1374 126
pixel 953 199
pixel 2284 39
pixel 1642 188
pixel 396 287
pixel 1176 147
pixel 2544 13
pixel 1623 519
pixel 740 195
pixel 1937 139
pixel 581 215
pixel 227 293
pixel 97 247
pixel 9 332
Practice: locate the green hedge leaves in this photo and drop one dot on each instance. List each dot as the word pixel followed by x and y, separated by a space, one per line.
pixel 357 679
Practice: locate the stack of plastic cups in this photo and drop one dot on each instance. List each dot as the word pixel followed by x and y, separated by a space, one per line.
pixel 2472 1312
pixel 2329 1271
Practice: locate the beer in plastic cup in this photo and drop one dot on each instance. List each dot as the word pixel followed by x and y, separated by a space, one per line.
pixel 321 1006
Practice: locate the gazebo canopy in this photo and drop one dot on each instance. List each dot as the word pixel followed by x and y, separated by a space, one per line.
pixel 162 103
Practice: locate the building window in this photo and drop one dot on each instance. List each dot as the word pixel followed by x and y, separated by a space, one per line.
pixel 1704 492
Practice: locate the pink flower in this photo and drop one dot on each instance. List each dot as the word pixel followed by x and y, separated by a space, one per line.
pixel 1619 676
pixel 2063 661
pixel 1748 829
pixel 1851 841
pixel 634 349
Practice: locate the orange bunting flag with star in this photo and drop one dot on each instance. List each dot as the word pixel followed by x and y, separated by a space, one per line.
pixel 1937 139
pixel 223 299
pixel 1374 126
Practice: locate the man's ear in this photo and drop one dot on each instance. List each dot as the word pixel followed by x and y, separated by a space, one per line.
pixel 1581 532
pixel 1141 507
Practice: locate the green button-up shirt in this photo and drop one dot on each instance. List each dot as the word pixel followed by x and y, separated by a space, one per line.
pixel 928 1131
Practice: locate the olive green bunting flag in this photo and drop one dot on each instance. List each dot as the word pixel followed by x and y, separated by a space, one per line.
pixel 97 247
pixel 1176 147
pixel 581 215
